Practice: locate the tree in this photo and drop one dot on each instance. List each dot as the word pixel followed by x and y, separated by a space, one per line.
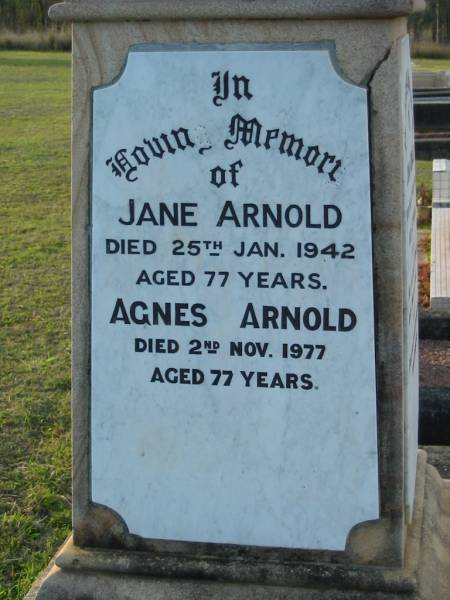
pixel 45 5
pixel 441 30
pixel 435 19
pixel 24 14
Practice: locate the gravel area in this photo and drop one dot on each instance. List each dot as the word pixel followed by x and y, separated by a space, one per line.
pixel 434 362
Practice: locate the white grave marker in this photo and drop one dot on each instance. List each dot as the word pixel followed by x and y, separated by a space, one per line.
pixel 233 367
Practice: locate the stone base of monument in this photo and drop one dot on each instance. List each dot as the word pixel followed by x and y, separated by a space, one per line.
pixel 100 574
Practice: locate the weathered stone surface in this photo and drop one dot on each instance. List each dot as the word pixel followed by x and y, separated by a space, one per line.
pixel 118 575
pixel 368 52
pixel 64 585
pixel 433 571
pixel 114 10
pixel 387 162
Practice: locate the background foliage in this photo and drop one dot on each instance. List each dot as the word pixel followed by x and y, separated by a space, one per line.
pixel 20 15
pixel 433 24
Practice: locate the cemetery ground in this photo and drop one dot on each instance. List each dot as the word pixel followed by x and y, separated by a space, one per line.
pixel 431 64
pixel 34 309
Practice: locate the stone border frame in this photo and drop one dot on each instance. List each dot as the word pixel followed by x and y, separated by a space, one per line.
pixel 379 542
pixel 117 10
pixel 127 539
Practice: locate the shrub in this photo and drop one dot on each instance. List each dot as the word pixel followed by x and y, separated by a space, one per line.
pixel 38 39
pixel 430 50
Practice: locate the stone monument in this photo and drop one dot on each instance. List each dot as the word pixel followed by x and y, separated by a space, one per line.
pixel 245 365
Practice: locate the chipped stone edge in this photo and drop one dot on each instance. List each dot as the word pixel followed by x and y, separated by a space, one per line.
pixel 275 572
pixel 376 542
pixel 117 10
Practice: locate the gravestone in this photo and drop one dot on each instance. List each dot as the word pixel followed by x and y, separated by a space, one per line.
pixel 227 312
pixel 440 243
pixel 245 307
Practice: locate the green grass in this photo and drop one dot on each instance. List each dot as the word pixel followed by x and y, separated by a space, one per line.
pixel 34 314
pixel 424 174
pixel 431 64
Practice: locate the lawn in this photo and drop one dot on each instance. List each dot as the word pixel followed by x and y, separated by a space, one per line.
pixel 431 64
pixel 424 174
pixel 34 313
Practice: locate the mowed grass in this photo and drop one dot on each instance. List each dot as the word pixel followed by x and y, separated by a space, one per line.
pixel 34 314
pixel 431 64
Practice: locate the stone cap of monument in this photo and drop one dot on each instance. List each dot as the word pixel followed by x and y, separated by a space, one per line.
pixel 118 10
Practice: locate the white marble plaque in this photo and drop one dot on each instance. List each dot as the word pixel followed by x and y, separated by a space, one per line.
pixel 411 314
pixel 233 369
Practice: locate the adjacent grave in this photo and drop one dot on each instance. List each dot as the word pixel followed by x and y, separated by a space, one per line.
pixel 245 307
pixel 440 237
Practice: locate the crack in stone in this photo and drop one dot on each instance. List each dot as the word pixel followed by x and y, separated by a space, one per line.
pixel 369 79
